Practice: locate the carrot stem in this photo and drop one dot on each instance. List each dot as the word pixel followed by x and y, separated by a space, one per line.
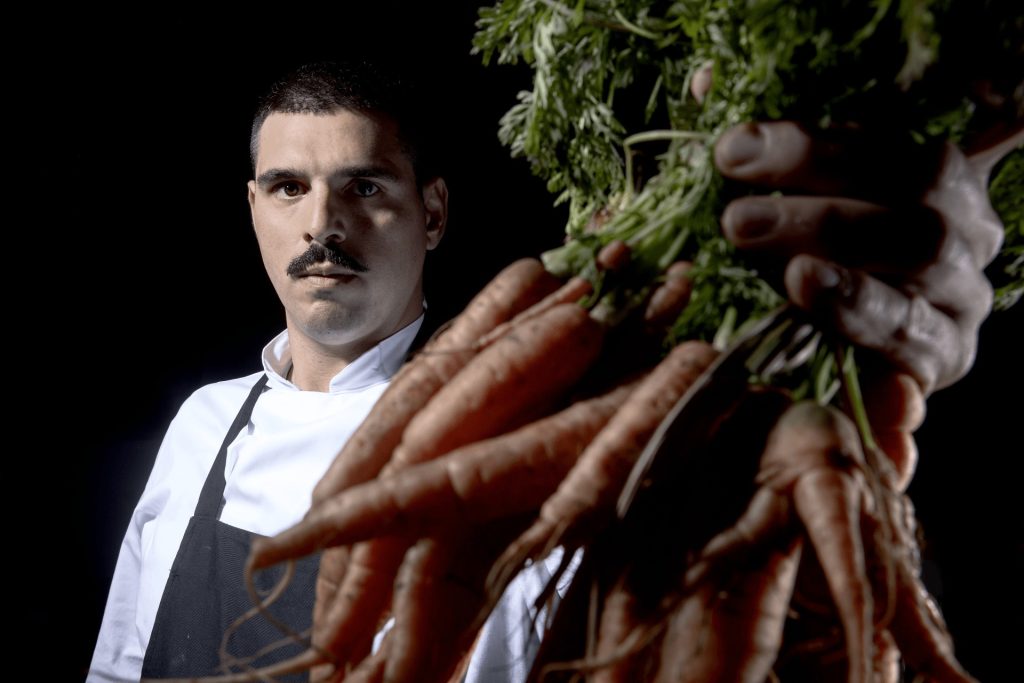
pixel 854 395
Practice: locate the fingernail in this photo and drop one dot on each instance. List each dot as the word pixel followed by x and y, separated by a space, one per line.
pixel 751 218
pixel 739 146
pixel 835 279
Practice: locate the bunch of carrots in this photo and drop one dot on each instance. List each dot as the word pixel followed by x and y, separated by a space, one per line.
pixel 526 391
pixel 804 564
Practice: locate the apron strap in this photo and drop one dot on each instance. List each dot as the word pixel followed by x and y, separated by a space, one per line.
pixel 211 499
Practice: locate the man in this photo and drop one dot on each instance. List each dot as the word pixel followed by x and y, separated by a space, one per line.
pixel 344 214
pixel 345 206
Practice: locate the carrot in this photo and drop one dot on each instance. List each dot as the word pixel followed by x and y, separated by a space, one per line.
pixel 334 564
pixel 814 456
pixel 810 470
pixel 359 605
pixel 613 256
pixel 591 487
pixel 621 634
pixel 430 598
pixel 470 483
pixel 572 291
pixel 525 369
pixel 474 482
pixel 514 289
pixel 920 632
pixel 669 299
pixel 531 366
pixel 730 629
pixel 517 377
pixel 437 595
pixel 726 627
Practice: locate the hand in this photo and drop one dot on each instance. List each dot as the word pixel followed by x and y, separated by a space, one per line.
pixel 885 243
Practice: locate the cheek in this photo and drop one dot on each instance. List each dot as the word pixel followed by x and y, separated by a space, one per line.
pixel 274 252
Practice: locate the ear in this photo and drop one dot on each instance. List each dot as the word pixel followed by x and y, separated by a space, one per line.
pixel 252 200
pixel 435 201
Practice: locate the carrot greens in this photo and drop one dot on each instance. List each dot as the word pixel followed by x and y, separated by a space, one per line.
pixel 612 127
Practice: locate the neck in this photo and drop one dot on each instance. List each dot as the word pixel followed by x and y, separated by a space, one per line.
pixel 314 364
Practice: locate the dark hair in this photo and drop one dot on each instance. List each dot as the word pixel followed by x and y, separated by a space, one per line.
pixel 356 85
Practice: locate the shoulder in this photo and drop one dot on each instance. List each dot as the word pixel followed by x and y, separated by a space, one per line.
pixel 217 402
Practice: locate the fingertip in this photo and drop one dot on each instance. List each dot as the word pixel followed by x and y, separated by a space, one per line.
pixel 751 222
pixel 901 450
pixel 914 405
pixel 738 146
pixel 894 401
pixel 812 283
pixel 700 84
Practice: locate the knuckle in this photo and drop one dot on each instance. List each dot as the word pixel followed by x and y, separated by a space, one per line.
pixel 960 197
pixel 960 363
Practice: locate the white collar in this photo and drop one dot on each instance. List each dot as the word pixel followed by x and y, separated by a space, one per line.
pixel 374 366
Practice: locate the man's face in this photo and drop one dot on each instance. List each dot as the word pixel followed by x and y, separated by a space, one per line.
pixel 343 226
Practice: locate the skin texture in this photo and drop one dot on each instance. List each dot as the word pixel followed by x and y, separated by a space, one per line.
pixel 891 255
pixel 342 179
pixel 829 227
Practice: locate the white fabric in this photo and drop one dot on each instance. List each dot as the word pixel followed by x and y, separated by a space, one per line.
pixel 271 469
pixel 508 642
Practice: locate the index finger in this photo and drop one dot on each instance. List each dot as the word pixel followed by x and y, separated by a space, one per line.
pixel 846 162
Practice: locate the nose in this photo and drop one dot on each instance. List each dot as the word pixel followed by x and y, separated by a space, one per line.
pixel 326 221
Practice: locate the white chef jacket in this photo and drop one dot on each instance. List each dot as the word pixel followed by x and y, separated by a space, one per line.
pixel 271 469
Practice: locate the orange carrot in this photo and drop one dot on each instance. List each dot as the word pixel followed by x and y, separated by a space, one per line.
pixel 590 489
pixel 920 632
pixel 517 377
pixel 819 450
pixel 430 597
pixel 437 593
pixel 727 627
pixel 514 289
pixel 668 300
pixel 530 366
pixel 525 370
pixel 730 628
pixel 572 291
pixel 474 482
pixel 613 255
pixel 471 483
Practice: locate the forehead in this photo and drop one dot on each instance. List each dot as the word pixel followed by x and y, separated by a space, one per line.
pixel 325 142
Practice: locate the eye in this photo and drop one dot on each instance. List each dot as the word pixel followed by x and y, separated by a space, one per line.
pixel 288 188
pixel 364 188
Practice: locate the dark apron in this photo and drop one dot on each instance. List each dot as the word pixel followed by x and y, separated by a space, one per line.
pixel 206 592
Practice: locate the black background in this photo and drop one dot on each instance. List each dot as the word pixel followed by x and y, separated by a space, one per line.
pixel 134 278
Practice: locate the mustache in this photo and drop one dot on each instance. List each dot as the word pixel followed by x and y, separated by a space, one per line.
pixel 319 253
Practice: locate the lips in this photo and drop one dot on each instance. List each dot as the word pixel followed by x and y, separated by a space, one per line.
pixel 328 272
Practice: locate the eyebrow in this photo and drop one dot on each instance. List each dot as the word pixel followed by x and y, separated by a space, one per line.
pixel 274 175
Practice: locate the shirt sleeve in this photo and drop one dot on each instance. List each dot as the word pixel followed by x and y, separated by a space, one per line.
pixel 118 654
pixel 121 644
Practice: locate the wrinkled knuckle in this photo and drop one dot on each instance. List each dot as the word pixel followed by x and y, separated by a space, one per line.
pixel 990 238
pixel 974 298
pixel 960 196
pixel 961 362
pixel 983 300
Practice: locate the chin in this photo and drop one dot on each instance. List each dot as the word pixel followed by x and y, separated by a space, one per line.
pixel 337 329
